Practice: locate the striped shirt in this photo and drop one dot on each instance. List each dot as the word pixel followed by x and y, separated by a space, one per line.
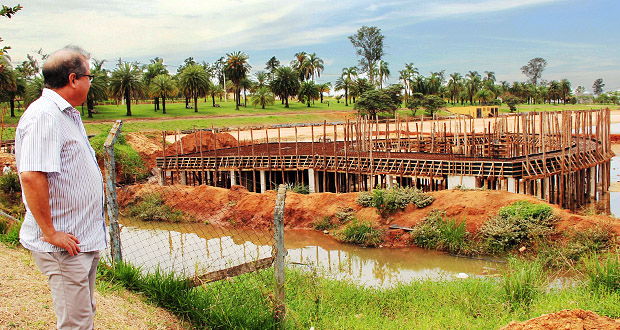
pixel 51 138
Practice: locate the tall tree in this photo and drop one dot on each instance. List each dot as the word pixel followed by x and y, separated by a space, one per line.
pixel 472 85
pixel 236 69
pixel 454 86
pixel 565 86
pixel 285 83
pixel 163 86
pixel 98 86
pixel 383 72
pixel 126 83
pixel 597 87
pixel 534 68
pixel 313 66
pixel 262 79
pixel 152 70
pixel 347 76
pixel 324 88
pixel 368 42
pixel 194 83
pixel 272 64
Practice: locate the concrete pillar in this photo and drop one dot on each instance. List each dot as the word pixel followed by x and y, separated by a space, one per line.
pixel 161 176
pixel 539 191
pixel 389 181
pixel 263 181
pixel 512 185
pixel 593 181
pixel 311 181
pixel 468 182
pixel 233 178
pixel 184 177
pixel 546 190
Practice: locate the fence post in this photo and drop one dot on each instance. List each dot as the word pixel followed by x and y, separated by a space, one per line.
pixel 279 253
pixel 110 191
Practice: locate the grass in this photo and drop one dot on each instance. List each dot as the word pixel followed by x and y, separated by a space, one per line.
pixel 152 207
pixel 389 200
pixel 316 301
pixel 436 231
pixel 361 233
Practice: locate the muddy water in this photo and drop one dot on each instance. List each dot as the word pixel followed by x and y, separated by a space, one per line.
pixel 614 189
pixel 197 249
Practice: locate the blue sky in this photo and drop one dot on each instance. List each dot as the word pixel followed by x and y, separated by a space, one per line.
pixel 580 39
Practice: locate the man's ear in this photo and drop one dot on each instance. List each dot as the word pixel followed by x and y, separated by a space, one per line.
pixel 72 77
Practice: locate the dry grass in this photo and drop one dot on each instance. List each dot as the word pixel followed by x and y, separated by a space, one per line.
pixel 26 303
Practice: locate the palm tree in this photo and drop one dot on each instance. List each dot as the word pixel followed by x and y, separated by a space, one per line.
pixel 347 79
pixel 313 65
pixel 163 86
pixel 484 96
pixel 98 90
pixel 247 85
pixel 194 82
pixel 126 82
pixel 153 70
pixel 272 65
pixel 490 75
pixel 285 83
pixel 9 83
pixel 308 91
pixel 454 85
pixel 262 78
pixel 383 72
pixel 472 85
pixel 299 64
pixel 263 96
pixel 565 86
pixel 34 89
pixel 324 88
pixel 236 68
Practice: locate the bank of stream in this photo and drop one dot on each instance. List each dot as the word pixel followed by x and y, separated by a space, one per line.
pixel 195 248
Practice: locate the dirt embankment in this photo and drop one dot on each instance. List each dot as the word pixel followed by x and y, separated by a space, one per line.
pixel 240 208
pixel 576 319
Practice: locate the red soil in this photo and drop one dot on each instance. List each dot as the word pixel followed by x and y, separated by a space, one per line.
pixel 254 210
pixel 567 320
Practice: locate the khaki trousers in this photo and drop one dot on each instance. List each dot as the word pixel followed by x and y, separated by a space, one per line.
pixel 72 282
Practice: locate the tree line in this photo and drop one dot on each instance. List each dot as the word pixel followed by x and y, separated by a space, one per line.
pixel 362 85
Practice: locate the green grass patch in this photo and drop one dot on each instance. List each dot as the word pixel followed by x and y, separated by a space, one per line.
pixel 132 167
pixel 436 231
pixel 603 273
pixel 361 233
pixel 152 207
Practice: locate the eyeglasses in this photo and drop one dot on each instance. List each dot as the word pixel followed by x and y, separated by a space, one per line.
pixel 90 76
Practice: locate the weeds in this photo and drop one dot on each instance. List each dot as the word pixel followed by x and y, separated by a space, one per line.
pixel 522 282
pixel 9 234
pixel 9 183
pixel 362 233
pixel 299 188
pixel 132 168
pixel 603 275
pixel 438 232
pixel 153 208
pixel 389 200
pixel 344 214
pixel 323 223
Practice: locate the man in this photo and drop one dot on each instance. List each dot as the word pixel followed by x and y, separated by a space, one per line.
pixel 7 168
pixel 62 189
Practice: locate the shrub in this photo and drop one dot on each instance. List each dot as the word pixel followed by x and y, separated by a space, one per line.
pixel 298 188
pixel 323 223
pixel 344 214
pixel 362 233
pixel 438 232
pixel 603 275
pixel 130 166
pixel 153 208
pixel 522 282
pixel 392 199
pixel 9 183
pixel 518 223
pixel 9 234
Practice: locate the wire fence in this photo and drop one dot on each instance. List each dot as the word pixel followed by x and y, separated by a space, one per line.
pixel 194 233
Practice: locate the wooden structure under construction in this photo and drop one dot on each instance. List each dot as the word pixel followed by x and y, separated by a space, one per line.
pixel 561 157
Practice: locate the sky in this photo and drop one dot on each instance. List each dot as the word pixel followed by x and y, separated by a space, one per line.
pixel 579 39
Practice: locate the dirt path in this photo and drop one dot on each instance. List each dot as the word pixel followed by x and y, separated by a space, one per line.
pixel 26 302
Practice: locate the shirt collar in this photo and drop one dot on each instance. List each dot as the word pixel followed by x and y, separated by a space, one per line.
pixel 57 99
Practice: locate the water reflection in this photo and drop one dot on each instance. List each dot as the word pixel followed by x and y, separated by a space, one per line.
pixel 196 249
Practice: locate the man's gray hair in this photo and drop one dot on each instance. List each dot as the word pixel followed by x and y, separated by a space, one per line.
pixel 62 63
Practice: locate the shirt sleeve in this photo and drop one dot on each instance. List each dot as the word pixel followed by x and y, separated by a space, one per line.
pixel 41 144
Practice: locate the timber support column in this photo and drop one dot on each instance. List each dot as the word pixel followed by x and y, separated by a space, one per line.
pixel 263 181
pixel 184 177
pixel 162 177
pixel 592 181
pixel 512 185
pixel 311 181
pixel 233 178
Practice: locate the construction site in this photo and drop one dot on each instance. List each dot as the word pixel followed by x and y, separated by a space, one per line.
pixel 561 157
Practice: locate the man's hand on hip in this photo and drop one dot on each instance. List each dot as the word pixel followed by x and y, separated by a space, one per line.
pixel 64 241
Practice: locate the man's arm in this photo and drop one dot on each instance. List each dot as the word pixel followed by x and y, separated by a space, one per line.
pixel 36 191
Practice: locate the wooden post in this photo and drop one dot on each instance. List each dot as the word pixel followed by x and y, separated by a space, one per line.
pixel 110 191
pixel 279 252
pixel 163 169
